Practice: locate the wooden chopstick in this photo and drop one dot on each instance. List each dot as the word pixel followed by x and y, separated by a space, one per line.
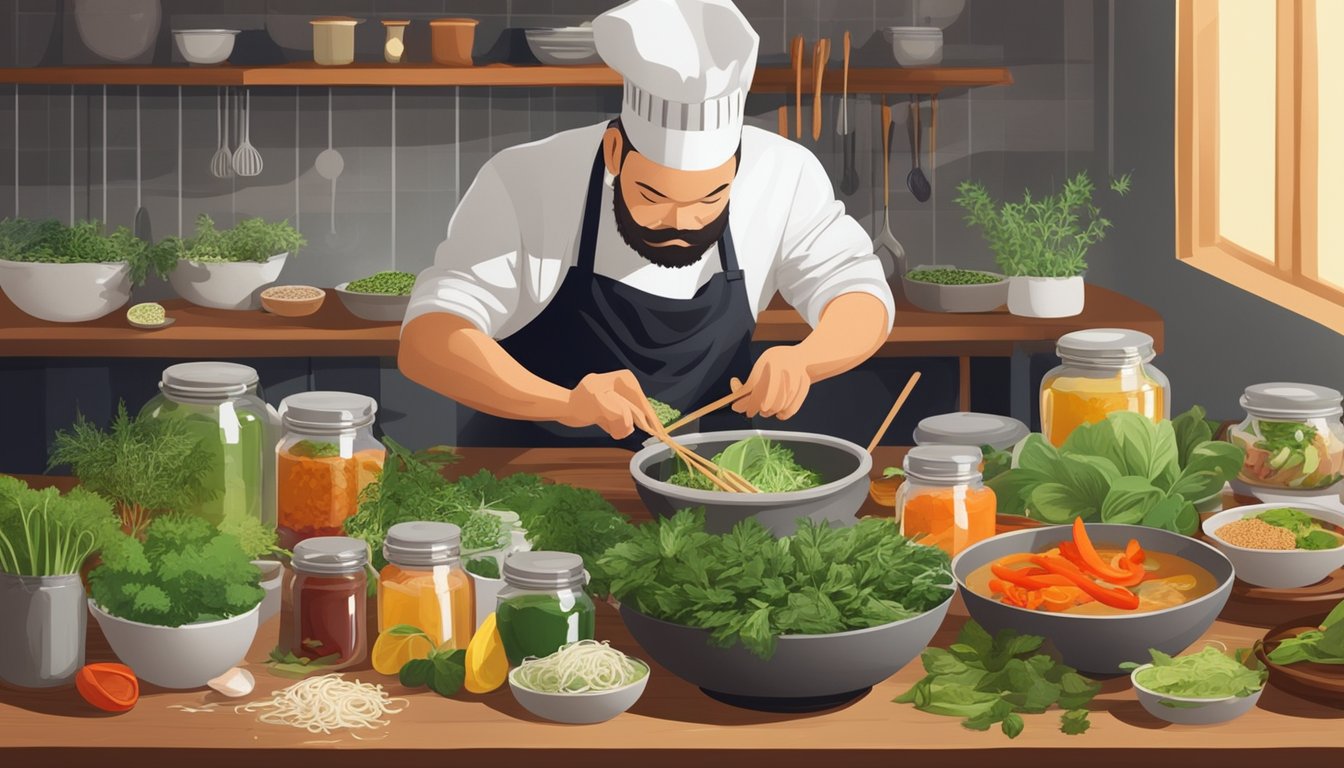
pixel 891 415
pixel 820 54
pixel 684 455
pixel 796 49
pixel 698 413
pixel 784 121
pixel 725 479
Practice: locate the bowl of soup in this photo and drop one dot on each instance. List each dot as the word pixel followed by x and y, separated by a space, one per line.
pixel 1178 588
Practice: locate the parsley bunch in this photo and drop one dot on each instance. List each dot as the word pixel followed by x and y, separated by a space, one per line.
pixel 86 242
pixel 747 586
pixel 254 240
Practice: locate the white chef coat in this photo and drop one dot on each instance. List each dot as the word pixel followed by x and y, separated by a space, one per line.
pixel 516 233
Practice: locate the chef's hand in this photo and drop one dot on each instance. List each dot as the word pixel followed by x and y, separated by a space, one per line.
pixel 612 401
pixel 777 386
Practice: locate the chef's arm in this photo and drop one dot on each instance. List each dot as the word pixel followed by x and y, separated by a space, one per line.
pixel 448 354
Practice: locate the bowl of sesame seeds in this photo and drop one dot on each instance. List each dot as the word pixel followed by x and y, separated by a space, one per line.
pixel 292 300
pixel 1272 555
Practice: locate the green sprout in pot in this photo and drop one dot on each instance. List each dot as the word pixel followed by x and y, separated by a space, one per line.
pixel 86 242
pixel 250 240
pixel 384 283
pixel 1046 236
pixel 45 533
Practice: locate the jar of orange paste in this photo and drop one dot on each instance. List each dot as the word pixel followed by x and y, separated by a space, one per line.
pixel 944 501
pixel 1102 371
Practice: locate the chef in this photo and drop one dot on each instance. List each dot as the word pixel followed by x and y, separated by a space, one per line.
pixel 588 270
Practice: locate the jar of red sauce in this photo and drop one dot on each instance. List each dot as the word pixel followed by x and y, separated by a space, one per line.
pixel 329 601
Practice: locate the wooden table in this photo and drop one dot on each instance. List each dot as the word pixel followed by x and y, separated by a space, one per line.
pixel 672 725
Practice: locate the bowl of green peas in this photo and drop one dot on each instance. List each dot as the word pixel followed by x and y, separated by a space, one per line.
pixel 949 289
pixel 381 297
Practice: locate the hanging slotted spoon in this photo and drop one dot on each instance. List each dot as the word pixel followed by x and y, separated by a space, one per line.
pixel 246 159
pixel 221 165
pixel 330 164
pixel 886 246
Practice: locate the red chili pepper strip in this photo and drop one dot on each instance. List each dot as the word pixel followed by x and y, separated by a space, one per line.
pixel 1134 552
pixel 1091 558
pixel 1118 597
pixel 1021 578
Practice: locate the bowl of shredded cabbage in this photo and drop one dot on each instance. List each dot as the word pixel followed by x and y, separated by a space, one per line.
pixel 582 683
pixel 1201 688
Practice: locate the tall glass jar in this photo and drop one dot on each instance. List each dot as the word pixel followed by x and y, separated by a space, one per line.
pixel 943 500
pixel 542 605
pixel 325 458
pixel 329 601
pixel 1292 436
pixel 253 382
pixel 212 400
pixel 1102 371
pixel 424 584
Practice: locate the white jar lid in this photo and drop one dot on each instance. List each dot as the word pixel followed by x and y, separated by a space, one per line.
pixel 210 381
pixel 422 544
pixel 943 463
pixel 1105 346
pixel 1291 401
pixel 328 410
pixel 999 432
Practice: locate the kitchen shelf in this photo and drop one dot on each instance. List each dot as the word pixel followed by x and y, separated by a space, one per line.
pixel 891 80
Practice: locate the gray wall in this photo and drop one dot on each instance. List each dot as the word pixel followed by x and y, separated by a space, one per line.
pixel 400 186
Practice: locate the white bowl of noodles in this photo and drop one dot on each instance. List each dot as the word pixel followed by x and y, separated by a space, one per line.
pixel 582 683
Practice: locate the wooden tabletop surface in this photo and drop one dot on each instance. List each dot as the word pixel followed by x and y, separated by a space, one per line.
pixel 673 724
pixel 198 332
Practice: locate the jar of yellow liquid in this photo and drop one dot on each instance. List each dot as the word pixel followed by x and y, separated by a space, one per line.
pixel 1102 371
pixel 424 584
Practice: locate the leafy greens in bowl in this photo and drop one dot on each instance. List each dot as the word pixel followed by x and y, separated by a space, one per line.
pixel 86 242
pixel 250 240
pixel 1125 469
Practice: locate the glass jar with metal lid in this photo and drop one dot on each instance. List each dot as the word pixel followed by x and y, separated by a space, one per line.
pixel 979 429
pixel 1292 436
pixel 943 500
pixel 424 584
pixel 329 601
pixel 1102 371
pixel 325 458
pixel 543 604
pixel 213 401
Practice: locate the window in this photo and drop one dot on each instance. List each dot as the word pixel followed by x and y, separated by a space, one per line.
pixel 1260 148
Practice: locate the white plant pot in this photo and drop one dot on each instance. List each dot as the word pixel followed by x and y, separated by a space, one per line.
pixel 1045 296
pixel 179 657
pixel 66 293
pixel 226 284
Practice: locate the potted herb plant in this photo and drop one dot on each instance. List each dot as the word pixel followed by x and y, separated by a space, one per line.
pixel 180 608
pixel 1041 244
pixel 227 269
pixel 45 539
pixel 72 274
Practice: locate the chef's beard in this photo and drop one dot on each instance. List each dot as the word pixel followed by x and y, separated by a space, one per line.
pixel 643 239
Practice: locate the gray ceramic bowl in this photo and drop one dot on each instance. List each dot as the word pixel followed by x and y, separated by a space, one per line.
pixel 843 466
pixel 578 708
pixel 806 672
pixel 1278 569
pixel 374 307
pixel 932 297
pixel 1100 644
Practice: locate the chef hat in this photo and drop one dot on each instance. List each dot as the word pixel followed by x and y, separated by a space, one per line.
pixel 687 66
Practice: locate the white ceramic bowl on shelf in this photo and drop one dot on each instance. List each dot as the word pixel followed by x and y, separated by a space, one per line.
pixel 205 46
pixel 374 307
pixel 916 46
pixel 66 293
pixel 225 284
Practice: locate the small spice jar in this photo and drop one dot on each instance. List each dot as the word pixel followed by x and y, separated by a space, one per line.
pixel 394 47
pixel 1102 371
pixel 451 41
pixel 542 605
pixel 1292 436
pixel 329 601
pixel 334 40
pixel 424 584
pixel 325 458
pixel 943 499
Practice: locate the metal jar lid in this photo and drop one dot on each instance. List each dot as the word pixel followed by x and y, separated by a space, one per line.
pixel 999 432
pixel 330 555
pixel 422 544
pixel 1105 347
pixel 544 570
pixel 328 411
pixel 207 381
pixel 1286 400
pixel 943 463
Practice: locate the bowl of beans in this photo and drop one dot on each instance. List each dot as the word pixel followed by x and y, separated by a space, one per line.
pixel 1280 546
pixel 292 300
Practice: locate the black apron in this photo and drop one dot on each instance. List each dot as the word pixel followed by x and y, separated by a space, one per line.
pixel 682 351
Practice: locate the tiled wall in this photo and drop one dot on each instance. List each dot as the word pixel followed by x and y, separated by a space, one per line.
pixel 410 152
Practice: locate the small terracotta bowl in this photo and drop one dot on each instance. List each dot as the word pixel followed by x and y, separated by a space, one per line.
pixel 282 300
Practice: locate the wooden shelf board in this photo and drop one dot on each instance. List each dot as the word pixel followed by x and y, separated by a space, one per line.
pixel 768 80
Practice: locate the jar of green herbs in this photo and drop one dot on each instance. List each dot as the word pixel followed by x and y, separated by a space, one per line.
pixel 213 400
pixel 543 605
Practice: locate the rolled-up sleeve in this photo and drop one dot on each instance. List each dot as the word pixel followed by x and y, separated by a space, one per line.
pixel 824 252
pixel 476 269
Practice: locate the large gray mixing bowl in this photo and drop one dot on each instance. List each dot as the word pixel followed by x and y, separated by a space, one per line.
pixel 1100 644
pixel 806 672
pixel 843 466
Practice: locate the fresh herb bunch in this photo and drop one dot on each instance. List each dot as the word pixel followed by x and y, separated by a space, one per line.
pixel 185 572
pixel 444 671
pixel 666 414
pixel 952 277
pixel 1324 645
pixel 1208 674
pixel 764 463
pixel 748 587
pixel 86 242
pixel 257 539
pixel 144 466
pixel 384 283
pixel 988 680
pixel 482 530
pixel 1040 237
pixel 1124 469
pixel 484 567
pixel 250 240
pixel 43 533
pixel 1309 532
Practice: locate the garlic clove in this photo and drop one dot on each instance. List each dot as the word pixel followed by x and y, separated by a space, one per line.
pixel 235 683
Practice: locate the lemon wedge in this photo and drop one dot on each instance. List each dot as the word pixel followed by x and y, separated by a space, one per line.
pixel 487 664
